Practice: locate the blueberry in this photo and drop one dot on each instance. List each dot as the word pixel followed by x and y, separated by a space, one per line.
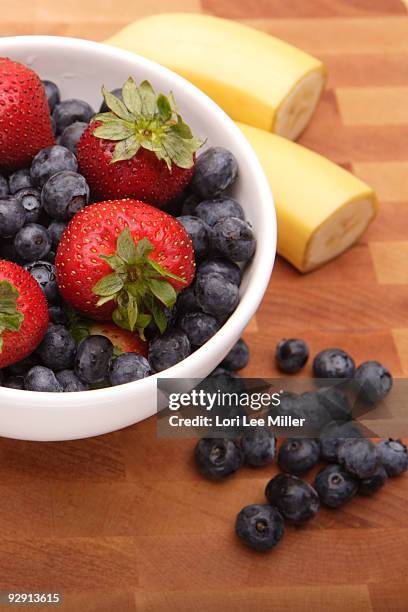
pixel 64 194
pixel 298 455
pixel 234 239
pixel 53 94
pixel 167 350
pixel 21 367
pixel 127 368
pixel 217 458
pixel 55 230
pixel 51 160
pixel 333 435
pixel 394 455
pixel 72 135
pixel 46 276
pixel 189 205
pixel 12 216
pixel 4 186
pixel 199 327
pixel 333 363
pixel 309 407
pixel 104 107
pixel 259 446
pixel 238 356
pixel 69 381
pixel 69 111
pixel 260 526
pixel 359 457
pixel 152 331
pixel 211 211
pixel 335 486
pixel 40 378
pixel 215 170
pixel 57 349
pixel 57 315
pixel 287 404
pixel 93 359
pixel 336 403
pixel 187 301
pixel 14 382
pixel 372 484
pixel 295 499
pixel 372 382
pixel 198 232
pixel 216 295
pixel 31 201
pixel 32 242
pixel 230 270
pixel 291 355
pixel 20 179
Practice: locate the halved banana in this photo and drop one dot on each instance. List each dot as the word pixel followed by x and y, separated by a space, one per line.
pixel 256 78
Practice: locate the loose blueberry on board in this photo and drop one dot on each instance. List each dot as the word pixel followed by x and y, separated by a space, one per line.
pixel 372 382
pixel 336 403
pixel 372 484
pixel 14 382
pixel 117 93
pixel 127 368
pixel 31 200
pixel 4 186
pixel 359 457
pixel 309 407
pixel 57 315
pixel 260 526
pixel 53 94
pixel 335 486
pixel 234 239
pixel 167 350
pixel 217 458
pixel 72 135
pixel 69 111
pixel 298 455
pixel 291 355
pixel 55 230
pixel 229 269
pixel 12 216
pixel 198 232
pixel 64 194
pixel 296 500
pixel 69 381
pixel 93 359
pixel 287 405
pixel 259 446
pixel 57 350
pixel 238 357
pixel 40 378
pixel 333 435
pixel 199 327
pixel 32 242
pixel 45 275
pixel 216 169
pixel 394 456
pixel 333 363
pixel 211 211
pixel 20 179
pixel 216 295
pixel 51 160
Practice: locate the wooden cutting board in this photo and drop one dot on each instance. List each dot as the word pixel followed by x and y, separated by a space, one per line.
pixel 123 522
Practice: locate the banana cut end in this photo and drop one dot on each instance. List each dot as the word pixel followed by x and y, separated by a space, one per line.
pixel 339 232
pixel 296 110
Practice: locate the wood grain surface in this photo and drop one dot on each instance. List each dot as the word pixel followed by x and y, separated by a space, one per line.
pixel 123 522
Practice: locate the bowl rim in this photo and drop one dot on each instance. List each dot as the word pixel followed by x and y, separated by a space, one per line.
pixel 260 274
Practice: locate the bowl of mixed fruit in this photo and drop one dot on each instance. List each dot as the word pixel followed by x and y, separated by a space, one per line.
pixel 137 236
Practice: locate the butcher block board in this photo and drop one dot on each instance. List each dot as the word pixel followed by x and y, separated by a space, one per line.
pixel 123 522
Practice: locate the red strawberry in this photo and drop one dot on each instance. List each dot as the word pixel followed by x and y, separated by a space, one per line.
pixel 25 122
pixel 23 313
pixel 125 260
pixel 123 340
pixel 141 148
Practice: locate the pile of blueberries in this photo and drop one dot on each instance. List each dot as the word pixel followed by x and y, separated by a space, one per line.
pixel 35 205
pixel 356 465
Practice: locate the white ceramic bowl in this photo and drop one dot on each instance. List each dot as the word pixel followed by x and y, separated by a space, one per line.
pixel 79 68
